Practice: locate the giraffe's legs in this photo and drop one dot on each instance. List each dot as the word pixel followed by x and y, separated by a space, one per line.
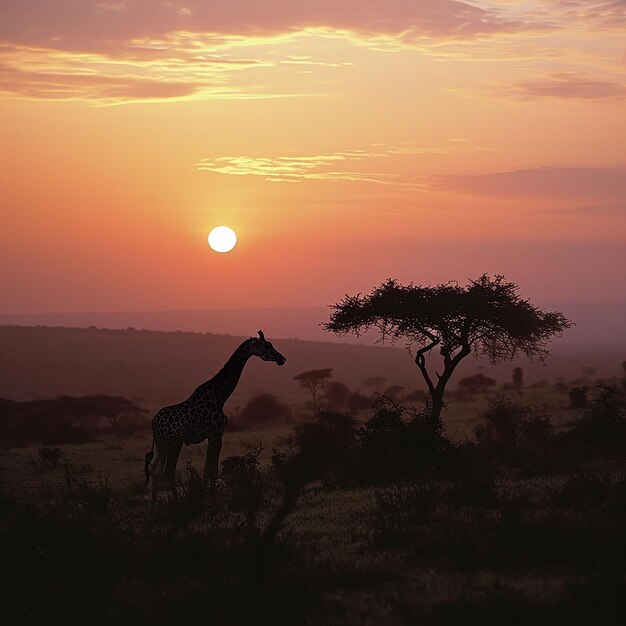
pixel 173 453
pixel 157 471
pixel 211 464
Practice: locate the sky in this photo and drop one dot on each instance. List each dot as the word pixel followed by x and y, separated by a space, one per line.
pixel 345 141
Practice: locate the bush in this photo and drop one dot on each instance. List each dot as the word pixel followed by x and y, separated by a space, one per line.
pixel 578 398
pixel 508 426
pixel 358 402
pixel 336 395
pixel 396 443
pixel 604 421
pixel 261 410
pixel 476 384
pixel 49 458
pixel 324 444
pixel 241 479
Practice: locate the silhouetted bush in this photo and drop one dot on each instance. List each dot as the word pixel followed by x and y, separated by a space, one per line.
pixel 50 458
pixel 476 384
pixel 242 488
pixel 68 419
pixel 508 426
pixel 93 498
pixel 261 410
pixel 358 402
pixel 578 398
pixel 604 421
pixel 325 443
pixel 396 443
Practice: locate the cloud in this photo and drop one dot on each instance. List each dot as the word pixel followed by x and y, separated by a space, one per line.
pixel 100 26
pixel 294 169
pixel 58 86
pixel 566 85
pixel 351 165
pixel 619 208
pixel 545 182
pixel 189 72
pixel 596 14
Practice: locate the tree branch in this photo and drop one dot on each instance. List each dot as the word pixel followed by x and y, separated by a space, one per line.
pixel 420 361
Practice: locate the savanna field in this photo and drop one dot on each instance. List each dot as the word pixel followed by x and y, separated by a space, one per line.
pixel 353 511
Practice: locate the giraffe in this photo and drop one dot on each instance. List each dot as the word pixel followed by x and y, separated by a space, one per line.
pixel 201 417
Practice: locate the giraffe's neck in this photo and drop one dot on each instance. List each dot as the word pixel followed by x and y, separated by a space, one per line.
pixel 222 385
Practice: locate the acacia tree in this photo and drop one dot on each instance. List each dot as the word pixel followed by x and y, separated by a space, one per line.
pixel 486 317
pixel 314 380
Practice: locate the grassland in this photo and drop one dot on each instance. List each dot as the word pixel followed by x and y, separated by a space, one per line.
pixel 526 531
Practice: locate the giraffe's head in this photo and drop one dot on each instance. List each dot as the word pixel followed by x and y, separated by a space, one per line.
pixel 265 350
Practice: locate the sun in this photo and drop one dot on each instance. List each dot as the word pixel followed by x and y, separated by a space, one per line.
pixel 222 239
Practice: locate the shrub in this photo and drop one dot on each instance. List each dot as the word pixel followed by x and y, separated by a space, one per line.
pixel 336 395
pixel 508 426
pixel 263 409
pixel 93 498
pixel 241 478
pixel 49 458
pixel 358 402
pixel 605 418
pixel 324 443
pixel 476 384
pixel 396 443
pixel 578 398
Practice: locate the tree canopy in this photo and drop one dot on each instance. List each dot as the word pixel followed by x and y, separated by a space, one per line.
pixel 486 317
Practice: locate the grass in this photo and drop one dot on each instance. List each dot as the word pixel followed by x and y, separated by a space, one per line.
pixel 531 539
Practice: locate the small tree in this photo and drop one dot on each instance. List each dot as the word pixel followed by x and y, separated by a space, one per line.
pixel 518 378
pixel 336 395
pixel 314 380
pixel 487 317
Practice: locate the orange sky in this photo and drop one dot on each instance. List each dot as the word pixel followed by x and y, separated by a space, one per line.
pixel 345 142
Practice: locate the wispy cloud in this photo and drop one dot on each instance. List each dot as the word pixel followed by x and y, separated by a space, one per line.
pixel 294 169
pixel 194 48
pixel 566 85
pixel 545 182
pixel 605 14
pixel 156 71
pixel 351 165
pixel 93 25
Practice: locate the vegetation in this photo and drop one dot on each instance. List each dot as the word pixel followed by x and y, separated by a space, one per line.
pixel 314 381
pixel 488 317
pixel 357 512
pixel 259 411
pixel 477 383
pixel 368 523
pixel 68 419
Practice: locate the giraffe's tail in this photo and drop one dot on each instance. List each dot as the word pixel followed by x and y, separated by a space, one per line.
pixel 149 457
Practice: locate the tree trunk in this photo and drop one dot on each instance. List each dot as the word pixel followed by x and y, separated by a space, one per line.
pixel 437 407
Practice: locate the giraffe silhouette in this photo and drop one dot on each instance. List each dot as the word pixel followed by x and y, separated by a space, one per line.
pixel 201 417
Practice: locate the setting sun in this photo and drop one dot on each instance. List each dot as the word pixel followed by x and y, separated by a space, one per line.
pixel 222 239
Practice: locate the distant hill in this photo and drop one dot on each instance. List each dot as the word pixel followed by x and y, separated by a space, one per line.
pixel 154 368
pixel 595 322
